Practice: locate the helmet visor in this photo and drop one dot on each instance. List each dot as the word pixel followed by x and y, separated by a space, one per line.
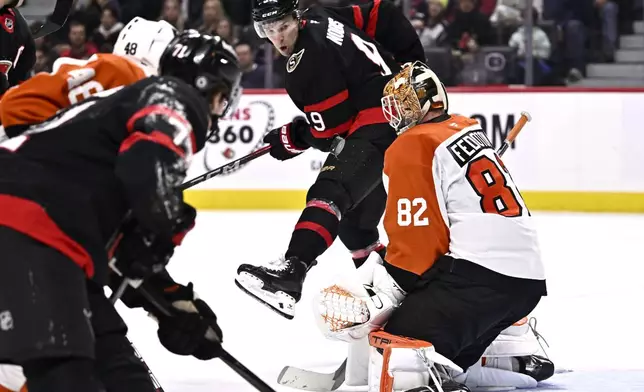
pixel 273 27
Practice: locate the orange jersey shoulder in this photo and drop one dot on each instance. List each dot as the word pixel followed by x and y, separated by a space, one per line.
pixel 417 231
pixel 43 95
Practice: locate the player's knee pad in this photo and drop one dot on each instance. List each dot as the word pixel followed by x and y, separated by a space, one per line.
pixel 332 192
pixel 397 363
pixel 70 374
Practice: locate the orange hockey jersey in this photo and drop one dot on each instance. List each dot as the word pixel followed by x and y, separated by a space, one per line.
pixel 73 80
pixel 450 194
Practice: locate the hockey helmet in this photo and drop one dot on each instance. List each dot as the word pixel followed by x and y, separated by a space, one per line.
pixel 410 94
pixel 144 41
pixel 269 11
pixel 207 63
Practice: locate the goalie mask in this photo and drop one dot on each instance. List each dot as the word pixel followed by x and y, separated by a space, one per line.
pixel 410 94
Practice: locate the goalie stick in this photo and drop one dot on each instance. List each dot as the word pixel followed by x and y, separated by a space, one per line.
pixel 309 380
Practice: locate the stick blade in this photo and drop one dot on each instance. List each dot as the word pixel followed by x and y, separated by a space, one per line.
pixel 308 380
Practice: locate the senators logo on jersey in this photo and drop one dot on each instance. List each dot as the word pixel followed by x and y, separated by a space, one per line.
pixel 72 81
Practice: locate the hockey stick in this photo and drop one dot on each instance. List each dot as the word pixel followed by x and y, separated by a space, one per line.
pixel 337 146
pixel 309 380
pixel 57 20
pixel 225 356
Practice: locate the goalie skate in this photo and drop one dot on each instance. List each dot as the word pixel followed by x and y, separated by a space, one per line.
pixel 277 285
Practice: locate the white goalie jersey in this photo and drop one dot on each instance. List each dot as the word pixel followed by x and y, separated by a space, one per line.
pixel 450 193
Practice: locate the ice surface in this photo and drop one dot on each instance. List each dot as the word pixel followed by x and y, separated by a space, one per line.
pixel 592 317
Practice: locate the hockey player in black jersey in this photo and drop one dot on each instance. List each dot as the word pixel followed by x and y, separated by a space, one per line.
pixel 65 187
pixel 17 46
pixel 339 61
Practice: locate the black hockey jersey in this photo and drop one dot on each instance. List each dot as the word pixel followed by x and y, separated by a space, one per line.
pixel 337 72
pixel 17 48
pixel 68 182
pixel 383 22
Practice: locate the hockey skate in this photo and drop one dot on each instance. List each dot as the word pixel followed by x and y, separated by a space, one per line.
pixel 536 366
pixel 277 285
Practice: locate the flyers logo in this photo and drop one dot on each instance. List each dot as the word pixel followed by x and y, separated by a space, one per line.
pixel 5 66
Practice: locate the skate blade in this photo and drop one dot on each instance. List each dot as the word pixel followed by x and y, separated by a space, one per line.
pixel 275 302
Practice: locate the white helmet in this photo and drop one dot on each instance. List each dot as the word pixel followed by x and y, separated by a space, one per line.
pixel 145 41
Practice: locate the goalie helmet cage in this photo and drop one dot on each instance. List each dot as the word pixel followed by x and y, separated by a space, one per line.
pixel 62 9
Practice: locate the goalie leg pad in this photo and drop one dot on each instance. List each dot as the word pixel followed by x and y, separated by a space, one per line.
pixel 358 363
pixel 516 340
pixel 486 378
pixel 399 363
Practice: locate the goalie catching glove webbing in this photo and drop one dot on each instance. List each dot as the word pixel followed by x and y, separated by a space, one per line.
pixel 359 303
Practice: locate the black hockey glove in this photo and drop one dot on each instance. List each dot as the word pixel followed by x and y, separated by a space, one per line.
pixel 192 329
pixel 286 142
pixel 141 253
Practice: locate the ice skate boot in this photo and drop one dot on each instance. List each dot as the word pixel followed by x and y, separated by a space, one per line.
pixel 536 366
pixel 277 285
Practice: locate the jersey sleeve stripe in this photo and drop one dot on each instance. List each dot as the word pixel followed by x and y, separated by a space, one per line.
pixel 173 116
pixel 155 109
pixel 328 103
pixel 357 17
pixel 368 117
pixel 155 137
pixel 373 19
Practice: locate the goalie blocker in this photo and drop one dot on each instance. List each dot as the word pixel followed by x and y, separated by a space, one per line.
pixel 463 260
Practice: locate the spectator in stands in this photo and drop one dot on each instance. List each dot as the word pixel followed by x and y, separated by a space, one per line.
pixel 470 28
pixel 106 34
pixel 210 17
pixel 79 47
pixel 432 33
pixel 540 51
pixel 253 76
pixel 507 13
pixel 225 31
pixel 171 13
pixel 608 12
pixel 486 7
pixel 44 60
pixel 573 18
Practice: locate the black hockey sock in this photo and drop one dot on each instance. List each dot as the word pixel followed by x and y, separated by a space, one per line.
pixel 61 375
pixel 315 231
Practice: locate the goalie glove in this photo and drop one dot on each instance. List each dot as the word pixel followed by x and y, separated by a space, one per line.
pixel 359 303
